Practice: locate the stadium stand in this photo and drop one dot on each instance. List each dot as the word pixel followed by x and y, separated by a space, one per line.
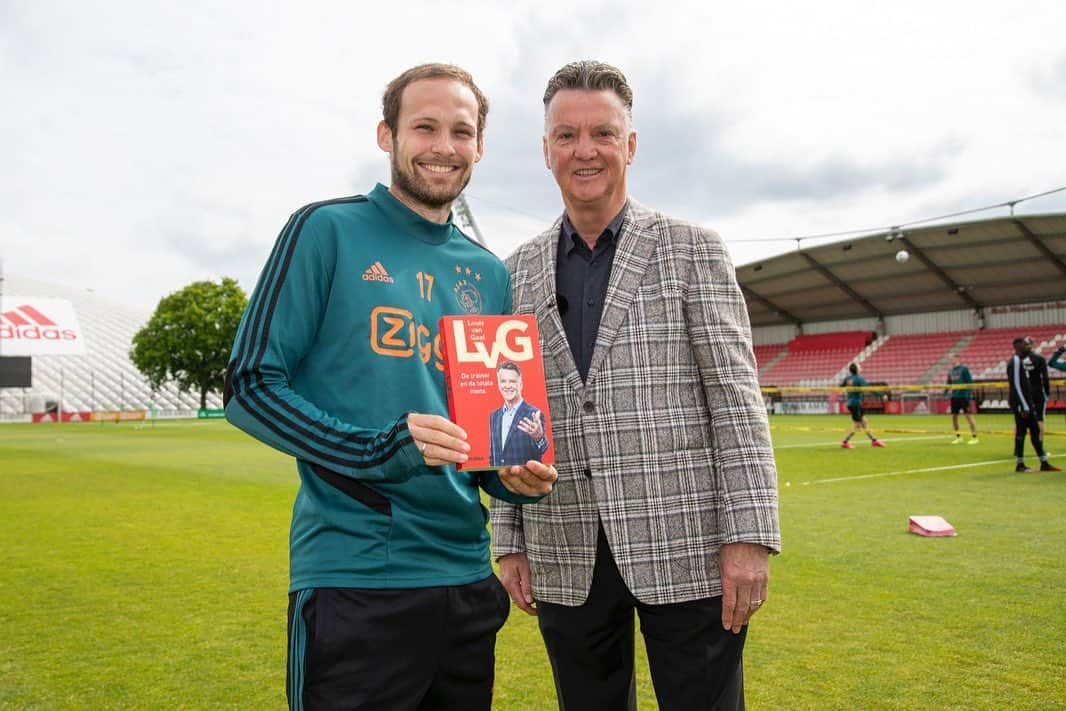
pixel 911 358
pixel 767 355
pixel 812 360
pixel 102 379
pixel 986 355
pixel 987 281
pixel 847 340
pixel 817 359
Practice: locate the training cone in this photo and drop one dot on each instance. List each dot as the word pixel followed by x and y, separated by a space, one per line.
pixel 930 526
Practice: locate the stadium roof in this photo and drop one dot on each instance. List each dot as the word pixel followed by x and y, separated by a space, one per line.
pixel 966 265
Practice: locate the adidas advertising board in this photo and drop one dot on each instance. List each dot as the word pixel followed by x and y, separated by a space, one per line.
pixel 31 326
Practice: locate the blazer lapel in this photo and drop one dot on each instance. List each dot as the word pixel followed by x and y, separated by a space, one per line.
pixel 550 324
pixel 636 245
pixel 494 435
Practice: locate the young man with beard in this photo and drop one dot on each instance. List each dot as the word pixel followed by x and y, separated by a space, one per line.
pixel 393 603
pixel 666 503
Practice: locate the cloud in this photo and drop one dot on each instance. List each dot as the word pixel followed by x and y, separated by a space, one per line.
pixel 154 145
pixel 688 161
pixel 514 158
pixel 1050 79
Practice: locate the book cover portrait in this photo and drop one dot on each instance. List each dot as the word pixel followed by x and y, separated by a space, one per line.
pixel 494 377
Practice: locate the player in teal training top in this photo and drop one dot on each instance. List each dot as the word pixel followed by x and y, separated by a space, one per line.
pixel 960 399
pixel 858 416
pixel 337 362
pixel 1056 361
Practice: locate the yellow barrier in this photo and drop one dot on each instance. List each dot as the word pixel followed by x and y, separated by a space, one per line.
pixel 996 385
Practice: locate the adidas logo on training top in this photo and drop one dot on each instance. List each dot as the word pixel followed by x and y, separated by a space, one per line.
pixel 376 272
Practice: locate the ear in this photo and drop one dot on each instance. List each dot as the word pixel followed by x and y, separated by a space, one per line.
pixel 384 137
pixel 631 146
pixel 544 143
pixel 480 148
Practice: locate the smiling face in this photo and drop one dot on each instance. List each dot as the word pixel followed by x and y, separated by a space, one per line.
pixel 588 145
pixel 510 384
pixel 435 145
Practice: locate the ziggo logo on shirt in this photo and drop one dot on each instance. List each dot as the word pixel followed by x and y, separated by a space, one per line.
pixel 394 333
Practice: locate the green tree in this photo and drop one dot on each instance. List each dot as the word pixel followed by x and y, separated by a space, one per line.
pixel 188 338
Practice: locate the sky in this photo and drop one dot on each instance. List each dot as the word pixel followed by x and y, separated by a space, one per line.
pixel 149 145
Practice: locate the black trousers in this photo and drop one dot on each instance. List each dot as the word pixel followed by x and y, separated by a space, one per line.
pixel 1030 425
pixel 695 664
pixel 395 650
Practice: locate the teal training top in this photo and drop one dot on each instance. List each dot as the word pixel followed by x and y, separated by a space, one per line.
pixel 1056 360
pixel 854 396
pixel 338 343
pixel 960 374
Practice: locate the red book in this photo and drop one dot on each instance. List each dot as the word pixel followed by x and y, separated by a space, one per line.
pixel 494 376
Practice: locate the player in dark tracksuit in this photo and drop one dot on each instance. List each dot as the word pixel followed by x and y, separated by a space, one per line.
pixel 1029 388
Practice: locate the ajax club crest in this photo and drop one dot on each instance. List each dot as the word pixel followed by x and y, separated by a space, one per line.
pixel 466 293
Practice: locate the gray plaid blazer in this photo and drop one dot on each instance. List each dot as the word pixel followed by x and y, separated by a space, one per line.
pixel 667 441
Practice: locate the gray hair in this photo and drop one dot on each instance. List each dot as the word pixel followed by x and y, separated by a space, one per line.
pixel 508 365
pixel 590 75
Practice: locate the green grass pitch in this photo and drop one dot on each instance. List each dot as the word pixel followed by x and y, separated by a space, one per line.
pixel 146 567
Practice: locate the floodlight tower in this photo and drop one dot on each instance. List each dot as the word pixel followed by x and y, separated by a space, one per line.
pixel 465 217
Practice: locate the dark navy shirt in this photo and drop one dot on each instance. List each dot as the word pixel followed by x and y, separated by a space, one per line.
pixel 581 276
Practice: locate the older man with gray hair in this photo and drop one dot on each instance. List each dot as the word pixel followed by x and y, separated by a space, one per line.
pixel 666 501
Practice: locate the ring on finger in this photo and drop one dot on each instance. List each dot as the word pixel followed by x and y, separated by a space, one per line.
pixel 422 449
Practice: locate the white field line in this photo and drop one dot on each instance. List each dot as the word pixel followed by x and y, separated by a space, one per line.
pixel 161 425
pixel 836 442
pixel 911 471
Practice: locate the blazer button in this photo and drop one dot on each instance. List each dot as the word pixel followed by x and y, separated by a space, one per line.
pixel 590 407
pixel 587 472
